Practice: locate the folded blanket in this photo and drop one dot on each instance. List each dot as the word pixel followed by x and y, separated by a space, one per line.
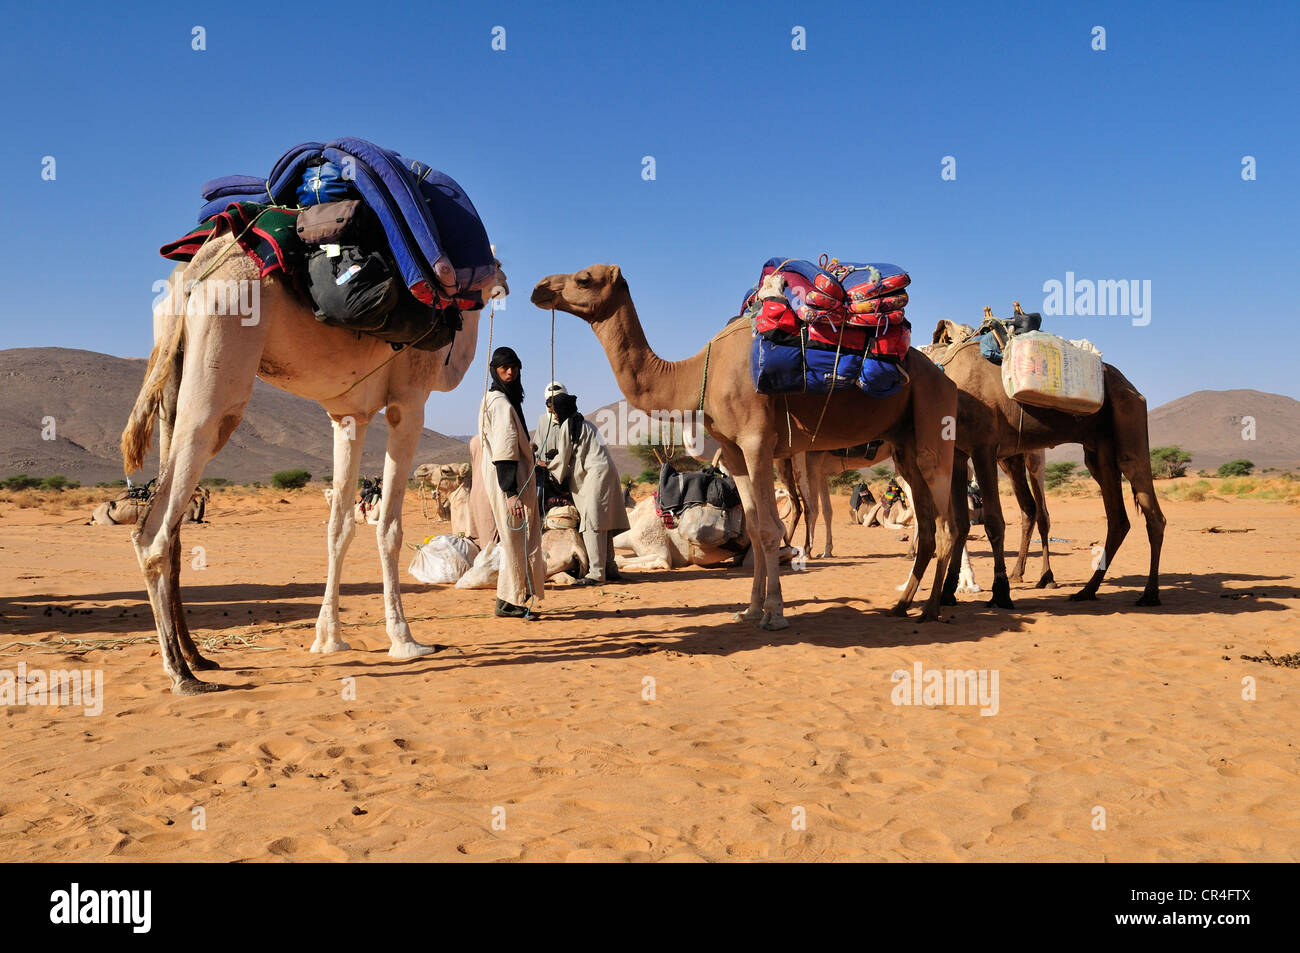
pixel 264 233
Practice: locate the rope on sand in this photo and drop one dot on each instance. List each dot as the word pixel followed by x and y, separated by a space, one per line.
pixel 79 646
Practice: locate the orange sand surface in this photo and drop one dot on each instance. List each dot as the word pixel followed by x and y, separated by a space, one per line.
pixel 539 741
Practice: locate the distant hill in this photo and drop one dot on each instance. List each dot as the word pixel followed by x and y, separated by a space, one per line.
pixel 1208 425
pixel 89 395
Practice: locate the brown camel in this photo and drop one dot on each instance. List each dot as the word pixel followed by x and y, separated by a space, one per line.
pixel 199 379
pixel 754 429
pixel 1114 440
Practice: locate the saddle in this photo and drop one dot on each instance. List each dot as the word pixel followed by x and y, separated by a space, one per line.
pixel 708 486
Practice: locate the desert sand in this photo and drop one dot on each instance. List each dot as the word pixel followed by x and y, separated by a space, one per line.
pixel 544 741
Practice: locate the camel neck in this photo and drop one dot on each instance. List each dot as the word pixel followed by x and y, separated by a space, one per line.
pixel 647 381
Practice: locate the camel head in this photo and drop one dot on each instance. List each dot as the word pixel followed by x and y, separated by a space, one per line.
pixel 950 332
pixel 496 287
pixel 591 294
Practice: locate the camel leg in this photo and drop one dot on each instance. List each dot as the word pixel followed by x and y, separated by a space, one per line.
pixel 986 471
pixel 786 466
pixel 1138 470
pixel 166 423
pixel 1101 464
pixel 961 527
pixel 209 406
pixel 758 461
pixel 1015 469
pixel 744 486
pixel 1034 464
pixel 347 467
pixel 823 486
pixel 405 424
pixel 803 471
pixel 927 464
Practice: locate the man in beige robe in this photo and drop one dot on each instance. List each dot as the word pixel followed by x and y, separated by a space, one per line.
pixel 507 474
pixel 582 464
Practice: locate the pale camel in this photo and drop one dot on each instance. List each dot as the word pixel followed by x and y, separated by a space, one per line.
pixel 125 511
pixel 1114 440
pixel 754 429
pixel 704 536
pixel 435 483
pixel 199 379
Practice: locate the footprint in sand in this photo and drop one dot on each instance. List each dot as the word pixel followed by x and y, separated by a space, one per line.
pixel 305 848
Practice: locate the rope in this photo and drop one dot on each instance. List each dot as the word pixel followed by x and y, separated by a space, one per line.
pixel 388 360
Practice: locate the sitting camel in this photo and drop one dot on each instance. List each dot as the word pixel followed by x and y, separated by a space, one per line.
pixel 755 429
pixel 704 536
pixel 125 509
pixel 436 482
pixel 199 379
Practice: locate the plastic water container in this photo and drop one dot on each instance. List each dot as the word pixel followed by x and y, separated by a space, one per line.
pixel 1043 370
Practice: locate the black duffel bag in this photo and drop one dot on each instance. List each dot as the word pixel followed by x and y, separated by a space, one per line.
pixel 355 285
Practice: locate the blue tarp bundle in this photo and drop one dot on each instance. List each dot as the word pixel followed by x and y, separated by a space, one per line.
pixel 786 368
pixel 434 232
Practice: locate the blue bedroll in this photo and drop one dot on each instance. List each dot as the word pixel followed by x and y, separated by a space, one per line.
pixel 415 204
pixel 799 266
pixel 229 185
pixel 784 369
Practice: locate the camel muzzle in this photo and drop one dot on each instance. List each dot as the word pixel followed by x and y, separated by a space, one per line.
pixel 546 294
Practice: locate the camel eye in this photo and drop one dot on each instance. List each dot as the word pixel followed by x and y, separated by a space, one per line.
pixel 584 278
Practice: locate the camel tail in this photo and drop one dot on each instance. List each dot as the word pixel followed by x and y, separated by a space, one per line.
pixel 138 433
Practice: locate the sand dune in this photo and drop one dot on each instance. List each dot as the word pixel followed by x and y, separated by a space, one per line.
pixel 537 741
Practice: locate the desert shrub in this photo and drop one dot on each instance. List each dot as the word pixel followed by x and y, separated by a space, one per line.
pixel 844 478
pixel 882 471
pixel 649 475
pixel 20 481
pixel 1169 462
pixel 1195 494
pixel 111 484
pixel 214 481
pixel 1057 474
pixel 59 482
pixel 1236 468
pixel 289 479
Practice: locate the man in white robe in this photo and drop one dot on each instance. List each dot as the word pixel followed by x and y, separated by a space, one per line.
pixel 582 464
pixel 507 473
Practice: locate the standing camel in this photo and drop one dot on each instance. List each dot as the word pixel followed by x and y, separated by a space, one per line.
pixel 754 429
pixel 199 379
pixel 1114 440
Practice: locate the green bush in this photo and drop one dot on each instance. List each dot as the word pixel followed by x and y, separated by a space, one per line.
pixel 1236 468
pixel 1169 462
pixel 111 484
pixel 59 482
pixel 1058 473
pixel 845 478
pixel 214 481
pixel 882 471
pixel 20 481
pixel 649 475
pixel 290 479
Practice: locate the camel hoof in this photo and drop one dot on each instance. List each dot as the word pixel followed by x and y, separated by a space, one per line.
pixel 947 599
pixel 751 614
pixel 772 622
pixel 1016 579
pixel 1047 582
pixel 408 650
pixel 824 555
pixel 1083 595
pixel 326 647
pixel 201 664
pixel 1148 599
pixel 899 612
pixel 192 686
pixel 1000 602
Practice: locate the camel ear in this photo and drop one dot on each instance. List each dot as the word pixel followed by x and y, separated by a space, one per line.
pixel 615 275
pixel 938 333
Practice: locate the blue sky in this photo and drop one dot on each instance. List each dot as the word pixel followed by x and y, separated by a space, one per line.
pixel 1122 164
